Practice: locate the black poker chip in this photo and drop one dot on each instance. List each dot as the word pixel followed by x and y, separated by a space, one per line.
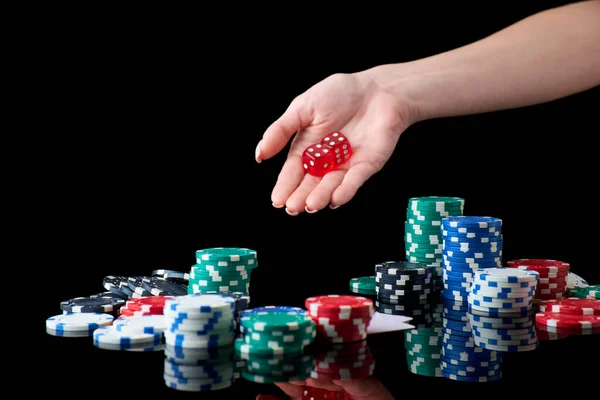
pixel 91 305
pixel 157 286
pixel 114 284
pixel 136 285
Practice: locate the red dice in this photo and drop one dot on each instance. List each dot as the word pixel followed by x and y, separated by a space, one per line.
pixel 320 158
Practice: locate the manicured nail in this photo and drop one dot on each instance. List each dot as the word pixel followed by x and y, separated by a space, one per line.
pixel 293 214
pixel 310 211
pixel 257 155
pixel 277 205
pixel 333 207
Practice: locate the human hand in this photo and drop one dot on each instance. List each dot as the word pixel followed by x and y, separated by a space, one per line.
pixel 370 117
pixel 358 389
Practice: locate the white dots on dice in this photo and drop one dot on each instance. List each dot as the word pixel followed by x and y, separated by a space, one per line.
pixel 339 160
pixel 318 146
pixel 326 165
pixel 335 134
pixel 312 163
pixel 346 156
pixel 305 166
pixel 341 138
pixel 310 149
pixel 326 139
pixel 344 146
pixel 325 150
pixel 317 154
pixel 331 143
pixel 345 151
pixel 337 150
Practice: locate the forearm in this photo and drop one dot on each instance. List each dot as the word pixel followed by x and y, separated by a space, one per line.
pixel 544 57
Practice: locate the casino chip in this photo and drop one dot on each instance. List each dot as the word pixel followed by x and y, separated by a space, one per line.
pixel 568 321
pixel 92 305
pixel 469 244
pixel 552 282
pixel 340 319
pixel 222 270
pixel 571 306
pixel 114 284
pixel 364 285
pixel 406 288
pixel 163 287
pixel 488 298
pixel 110 338
pixel 588 292
pixel 423 237
pixel 80 324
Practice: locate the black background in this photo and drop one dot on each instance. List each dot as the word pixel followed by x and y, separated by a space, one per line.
pixel 156 124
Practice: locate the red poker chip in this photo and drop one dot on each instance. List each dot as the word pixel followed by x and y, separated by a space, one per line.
pixel 565 331
pixel 339 306
pixel 545 335
pixel 539 265
pixel 553 285
pixel 131 313
pixel 560 320
pixel 572 306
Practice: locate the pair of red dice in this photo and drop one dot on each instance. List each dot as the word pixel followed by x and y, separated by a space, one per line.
pixel 321 158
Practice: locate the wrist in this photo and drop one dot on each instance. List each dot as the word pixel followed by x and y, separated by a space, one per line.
pixel 402 83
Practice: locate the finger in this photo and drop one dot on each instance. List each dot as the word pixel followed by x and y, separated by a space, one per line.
pixel 297 201
pixel 293 390
pixel 323 384
pixel 288 180
pixel 353 180
pixel 297 116
pixel 321 195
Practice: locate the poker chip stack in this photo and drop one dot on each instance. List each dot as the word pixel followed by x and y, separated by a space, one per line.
pixel 470 243
pixel 161 283
pixel 405 288
pixel 423 350
pixel 340 319
pixel 565 317
pixel 506 294
pixel 199 327
pixel 77 324
pixel 344 361
pixel 222 269
pixel 153 305
pixel 105 303
pixel 135 333
pixel 273 342
pixel 588 292
pixel 423 238
pixel 364 286
pixel 552 282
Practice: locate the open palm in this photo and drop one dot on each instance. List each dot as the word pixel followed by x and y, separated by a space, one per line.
pixel 372 120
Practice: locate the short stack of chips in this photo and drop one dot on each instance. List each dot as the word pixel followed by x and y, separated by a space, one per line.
pixel 364 286
pixel 504 293
pixel 553 275
pixel 340 319
pixel 134 333
pixel 199 327
pixel 106 303
pixel 161 283
pixel 344 361
pixel 405 288
pixel 273 342
pixel 153 305
pixel 423 238
pixel 565 317
pixel 77 325
pixel 222 269
pixel 588 292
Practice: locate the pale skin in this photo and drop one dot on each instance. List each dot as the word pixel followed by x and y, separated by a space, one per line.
pixel 550 55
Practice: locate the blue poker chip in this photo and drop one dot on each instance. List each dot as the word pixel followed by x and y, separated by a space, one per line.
pixel 472 364
pixel 455 332
pixel 503 287
pixel 471 246
pixel 470 221
pixel 277 309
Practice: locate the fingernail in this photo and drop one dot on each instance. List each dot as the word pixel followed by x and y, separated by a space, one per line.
pixel 333 207
pixel 257 156
pixel 310 211
pixel 293 214
pixel 277 205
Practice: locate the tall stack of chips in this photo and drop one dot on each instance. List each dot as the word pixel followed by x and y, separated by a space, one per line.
pixel 423 236
pixel 199 327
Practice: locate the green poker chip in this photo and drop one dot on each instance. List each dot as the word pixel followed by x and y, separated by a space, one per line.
pixel 363 284
pixel 226 254
pixel 284 322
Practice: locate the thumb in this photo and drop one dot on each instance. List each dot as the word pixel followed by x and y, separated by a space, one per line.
pixel 297 116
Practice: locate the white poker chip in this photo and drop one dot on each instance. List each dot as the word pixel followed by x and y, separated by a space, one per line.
pixel 110 335
pixel 79 322
pixel 506 275
pixel 141 324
